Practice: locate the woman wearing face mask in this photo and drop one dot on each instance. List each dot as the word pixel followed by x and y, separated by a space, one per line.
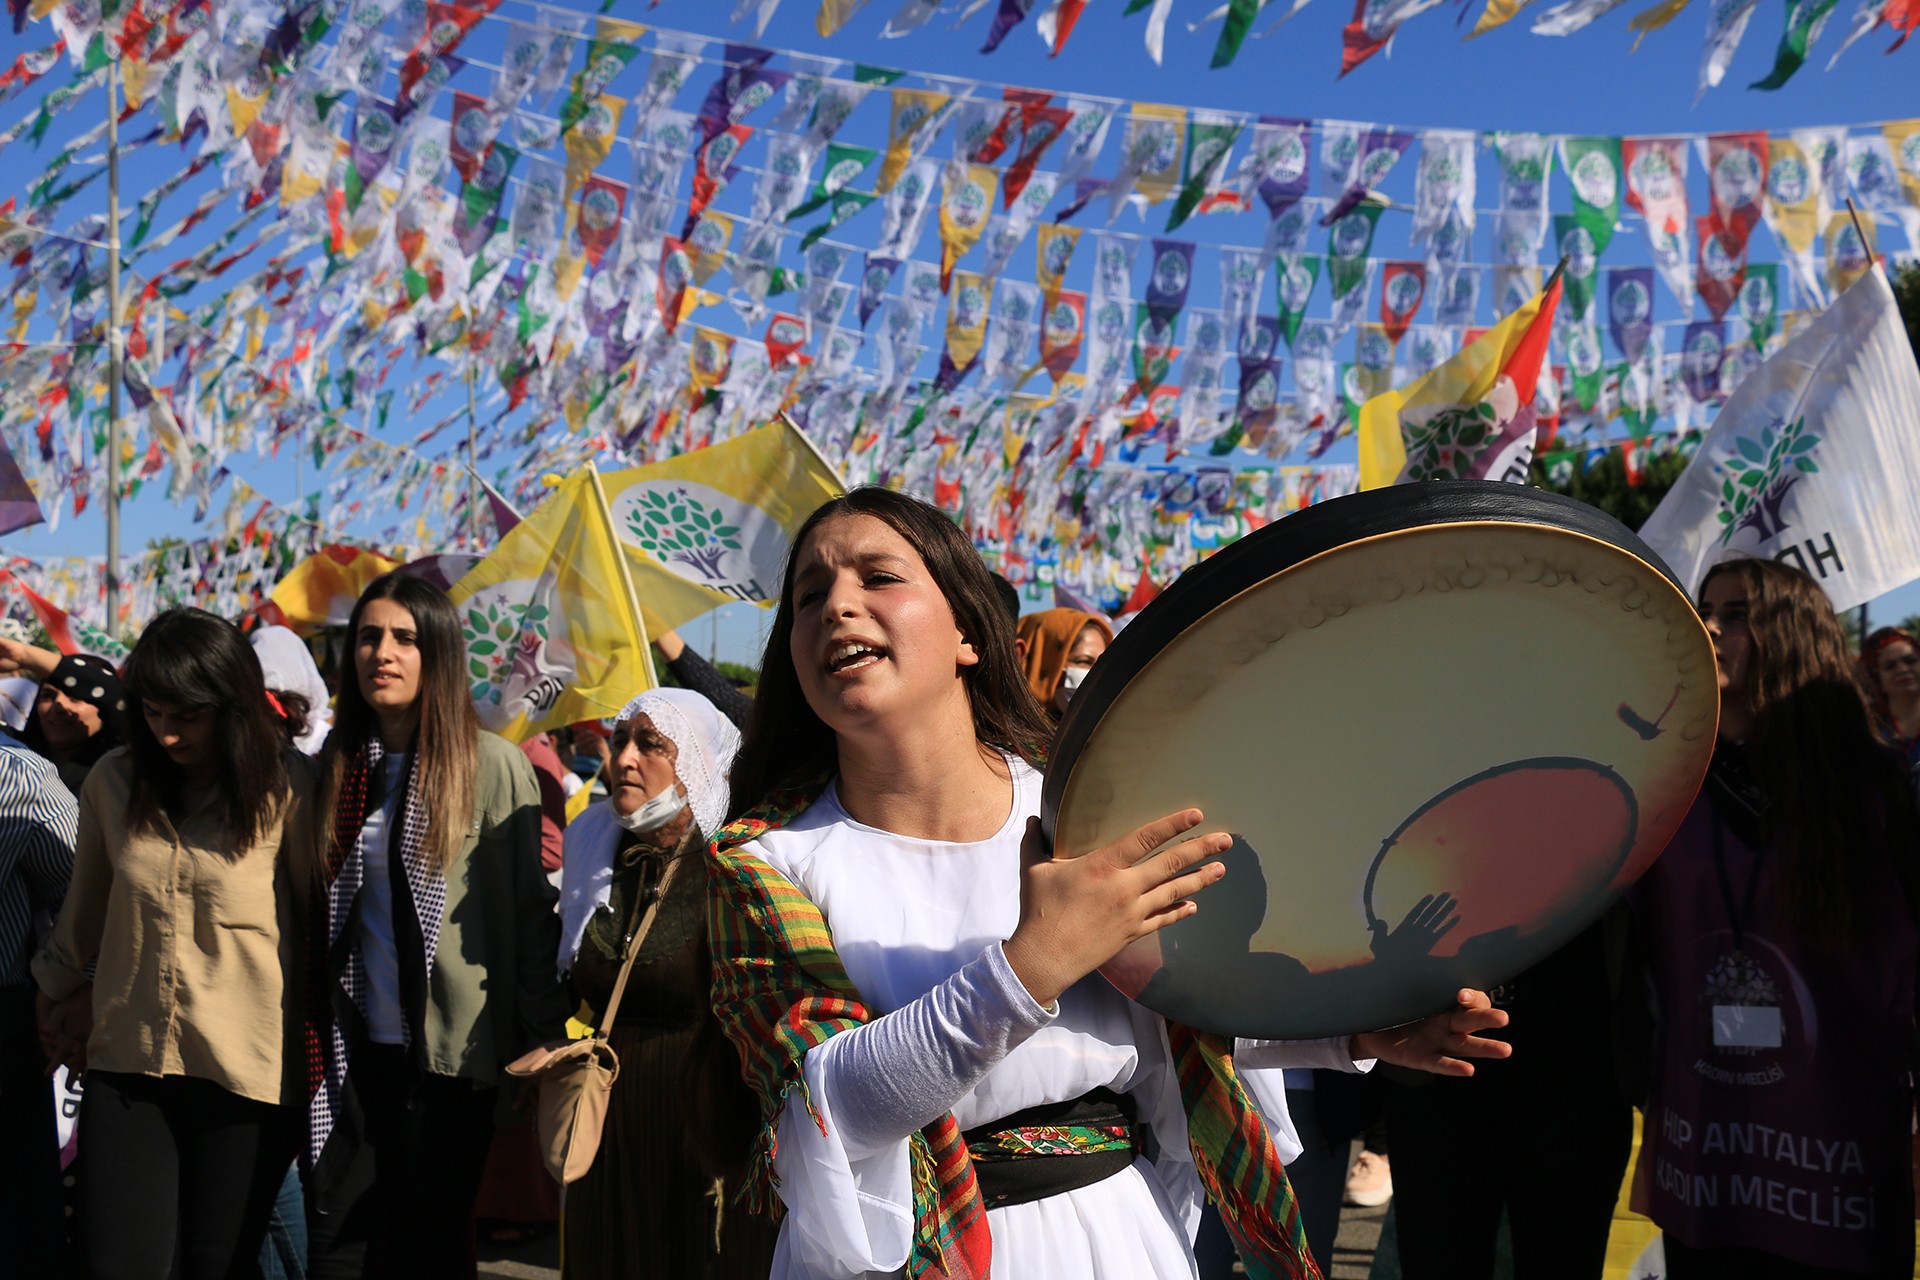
pixel 433 931
pixel 79 716
pixel 1060 647
pixel 1780 932
pixel 654 1202
pixel 184 1021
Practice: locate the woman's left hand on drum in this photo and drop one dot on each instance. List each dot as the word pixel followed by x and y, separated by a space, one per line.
pixel 1078 913
pixel 1443 1042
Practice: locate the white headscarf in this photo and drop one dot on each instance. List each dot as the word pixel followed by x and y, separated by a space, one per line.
pixel 706 741
pixel 289 668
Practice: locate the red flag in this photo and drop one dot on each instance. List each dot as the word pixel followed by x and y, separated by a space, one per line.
pixel 1143 595
pixel 676 273
pixel 51 616
pixel 1737 179
pixel 1403 286
pixel 602 201
pixel 472 133
pixel 786 334
pixel 1359 41
pixel 1721 272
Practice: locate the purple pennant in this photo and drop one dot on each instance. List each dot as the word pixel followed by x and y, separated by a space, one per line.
pixel 1172 274
pixel 1700 355
pixel 1012 13
pixel 18 507
pixel 375 135
pixel 1630 309
pixel 745 70
pixel 1084 190
pixel 1259 390
pixel 1281 191
pixel 1259 340
pixel 1380 150
pixel 875 275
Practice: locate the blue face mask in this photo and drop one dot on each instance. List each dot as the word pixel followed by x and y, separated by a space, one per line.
pixel 655 813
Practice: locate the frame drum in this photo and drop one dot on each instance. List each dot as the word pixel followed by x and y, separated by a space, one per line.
pixel 1447 724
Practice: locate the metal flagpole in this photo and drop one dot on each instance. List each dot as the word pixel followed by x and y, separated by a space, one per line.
pixel 473 466
pixel 115 352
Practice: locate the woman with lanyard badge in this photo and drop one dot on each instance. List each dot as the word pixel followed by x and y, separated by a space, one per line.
pixel 907 975
pixel 434 942
pixel 1781 939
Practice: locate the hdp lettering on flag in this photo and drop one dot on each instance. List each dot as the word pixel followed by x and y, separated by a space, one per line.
pixel 713 526
pixel 1814 460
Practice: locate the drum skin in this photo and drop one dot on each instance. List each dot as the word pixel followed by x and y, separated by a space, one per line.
pixel 1448 724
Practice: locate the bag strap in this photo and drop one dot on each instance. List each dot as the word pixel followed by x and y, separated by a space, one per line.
pixel 651 900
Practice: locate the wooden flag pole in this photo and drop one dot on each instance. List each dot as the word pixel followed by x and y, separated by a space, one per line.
pixel 116 357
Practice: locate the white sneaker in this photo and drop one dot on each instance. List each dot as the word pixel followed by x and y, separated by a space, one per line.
pixel 1370 1182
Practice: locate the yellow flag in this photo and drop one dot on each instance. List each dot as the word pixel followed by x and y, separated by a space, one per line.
pixel 1470 413
pixel 551 629
pixel 1655 18
pixel 588 143
pixel 707 246
pixel 1790 174
pixel 1848 258
pixel 1054 245
pixel 578 802
pixel 1903 143
pixel 913 110
pixel 320 591
pixel 1162 171
pixel 1497 13
pixel 966 199
pixel 713 526
pixel 967 316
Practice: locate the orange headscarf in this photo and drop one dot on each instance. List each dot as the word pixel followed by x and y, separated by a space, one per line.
pixel 1050 635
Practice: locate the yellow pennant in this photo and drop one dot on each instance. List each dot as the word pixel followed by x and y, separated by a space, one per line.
pixel 913 110
pixel 1162 174
pixel 707 247
pixel 965 202
pixel 588 144
pixel 1791 174
pixel 967 316
pixel 1847 257
pixel 1903 142
pixel 1054 246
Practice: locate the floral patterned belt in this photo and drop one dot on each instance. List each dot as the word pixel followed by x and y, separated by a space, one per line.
pixel 1083 1141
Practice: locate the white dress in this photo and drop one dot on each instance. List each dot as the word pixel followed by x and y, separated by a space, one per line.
pixel 918 925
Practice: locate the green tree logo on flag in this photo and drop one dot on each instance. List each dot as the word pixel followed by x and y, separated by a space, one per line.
pixel 506 630
pixel 707 537
pixel 1757 473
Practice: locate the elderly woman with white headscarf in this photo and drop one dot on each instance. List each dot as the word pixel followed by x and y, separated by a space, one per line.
pixel 655 1201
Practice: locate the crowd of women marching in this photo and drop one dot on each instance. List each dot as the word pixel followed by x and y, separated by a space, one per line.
pixel 293 936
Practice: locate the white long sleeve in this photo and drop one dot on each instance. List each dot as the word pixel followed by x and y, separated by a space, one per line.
pixel 900 1072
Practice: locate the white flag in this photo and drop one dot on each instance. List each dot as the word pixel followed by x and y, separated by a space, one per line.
pixel 1814 460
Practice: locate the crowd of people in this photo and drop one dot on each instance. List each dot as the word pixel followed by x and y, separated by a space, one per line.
pixel 290 936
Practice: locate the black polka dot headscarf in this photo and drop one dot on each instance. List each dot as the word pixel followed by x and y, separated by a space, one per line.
pixel 83 677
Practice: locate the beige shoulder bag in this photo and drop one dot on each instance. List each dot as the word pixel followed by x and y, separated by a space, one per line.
pixel 576 1076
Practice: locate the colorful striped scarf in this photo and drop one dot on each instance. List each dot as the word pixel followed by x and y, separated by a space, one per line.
pixel 779 989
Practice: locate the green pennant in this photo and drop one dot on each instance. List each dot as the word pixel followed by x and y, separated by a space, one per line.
pixel 845 205
pixel 1234 34
pixel 785 281
pixel 531 321
pixel 382 403
pixel 1593 170
pixel 605 60
pixel 1348 241
pixel 843 165
pixel 149 205
pixel 1805 18
pixel 1228 442
pixel 1151 359
pixel 863 74
pixel 1209 143
pixel 1759 302
pixel 96 56
pixel 1294 276
pixel 1582 276
pixel 417 284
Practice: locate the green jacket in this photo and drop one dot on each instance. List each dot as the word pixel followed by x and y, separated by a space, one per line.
pixel 494 991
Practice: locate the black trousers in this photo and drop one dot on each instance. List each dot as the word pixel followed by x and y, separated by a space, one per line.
pixel 1464 1150
pixel 179 1177
pixel 393 1194
pixel 32 1211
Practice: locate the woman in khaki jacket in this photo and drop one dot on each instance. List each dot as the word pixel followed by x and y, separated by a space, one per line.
pixel 433 936
pixel 175 901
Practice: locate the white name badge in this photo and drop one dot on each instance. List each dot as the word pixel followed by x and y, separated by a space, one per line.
pixel 1746 1026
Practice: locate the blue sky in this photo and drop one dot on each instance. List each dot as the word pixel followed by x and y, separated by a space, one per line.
pixel 1590 83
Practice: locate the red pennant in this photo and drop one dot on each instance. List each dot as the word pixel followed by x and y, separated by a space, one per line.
pixel 1720 273
pixel 1737 179
pixel 602 202
pixel 786 334
pixel 676 273
pixel 471 134
pixel 1403 287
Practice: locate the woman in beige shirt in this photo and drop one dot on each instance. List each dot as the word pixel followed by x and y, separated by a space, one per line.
pixel 176 900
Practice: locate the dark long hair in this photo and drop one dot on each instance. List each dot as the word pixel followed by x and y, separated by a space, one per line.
pixel 787 745
pixel 195 661
pixel 1834 791
pixel 448 745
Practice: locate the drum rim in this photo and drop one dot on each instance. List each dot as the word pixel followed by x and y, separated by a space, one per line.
pixel 1326 527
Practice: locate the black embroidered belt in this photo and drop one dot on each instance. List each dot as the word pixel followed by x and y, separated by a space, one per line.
pixel 1056 1147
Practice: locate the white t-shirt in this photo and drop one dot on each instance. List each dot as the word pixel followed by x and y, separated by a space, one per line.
pixel 918 925
pixel 386 1017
